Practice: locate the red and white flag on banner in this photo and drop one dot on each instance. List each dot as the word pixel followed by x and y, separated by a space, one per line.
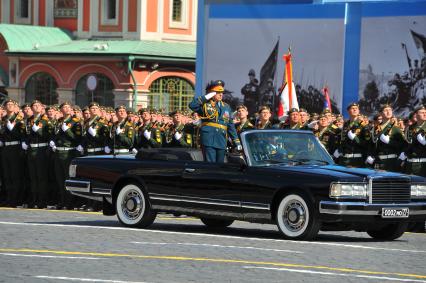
pixel 288 98
pixel 327 103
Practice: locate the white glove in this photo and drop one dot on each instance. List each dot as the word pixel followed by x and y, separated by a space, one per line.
pixel 54 148
pixel 1 143
pixel 384 138
pixel 312 124
pixel 107 150
pixel 10 125
pixel 134 151
pixel 35 128
pixel 421 139
pixel 64 127
pixel 119 130
pixel 239 147
pixel 210 95
pixel 178 136
pixel 24 145
pixel 80 148
pixel 369 160
pixel 52 144
pixel 336 153
pixel 402 156
pixel 91 131
pixel 147 135
pixel 351 135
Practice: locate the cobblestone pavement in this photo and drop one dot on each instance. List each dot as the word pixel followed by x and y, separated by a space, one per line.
pixel 62 246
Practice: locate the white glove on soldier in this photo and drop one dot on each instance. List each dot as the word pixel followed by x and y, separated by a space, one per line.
pixel 312 124
pixel 210 95
pixel 239 147
pixel 134 151
pixel 24 145
pixel 351 135
pixel 64 127
pixel 1 144
pixel 52 144
pixel 384 138
pixel 421 139
pixel 402 156
pixel 10 126
pixel 147 134
pixel 107 150
pixel 35 128
pixel 119 130
pixel 336 153
pixel 80 148
pixel 369 160
pixel 91 131
pixel 178 136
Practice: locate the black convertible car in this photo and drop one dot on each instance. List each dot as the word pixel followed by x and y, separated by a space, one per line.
pixel 282 177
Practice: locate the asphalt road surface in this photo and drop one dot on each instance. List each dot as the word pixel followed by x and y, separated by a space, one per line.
pixel 67 246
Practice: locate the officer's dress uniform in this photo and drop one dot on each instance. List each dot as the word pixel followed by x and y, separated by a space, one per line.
pixel 155 138
pixel 95 136
pixel 388 142
pixel 194 129
pixel 327 138
pixel 216 125
pixel 39 133
pixel 122 142
pixel 416 150
pixel 354 151
pixel 13 133
pixel 52 184
pixel 179 136
pixel 68 137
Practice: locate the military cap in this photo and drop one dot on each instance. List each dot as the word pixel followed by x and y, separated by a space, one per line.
pixel 25 105
pixel 34 102
pixel 325 111
pixel 130 112
pixel 264 108
pixel 322 115
pixel 376 117
pixel 154 111
pixel 387 105
pixel 292 110
pixel 103 108
pixel 142 110
pixel 252 73
pixel 352 105
pixel 65 103
pixel 85 108
pixel 420 107
pixel 411 115
pixel 93 104
pixel 241 107
pixel 303 110
pixel 110 109
pixel 76 108
pixel 120 107
pixel 175 112
pixel 339 116
pixel 10 100
pixel 217 86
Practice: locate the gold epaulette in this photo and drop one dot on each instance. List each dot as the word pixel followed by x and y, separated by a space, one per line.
pixel 45 118
pixel 130 124
pixel 75 119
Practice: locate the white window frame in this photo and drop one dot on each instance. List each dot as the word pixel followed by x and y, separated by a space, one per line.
pixel 18 18
pixel 104 10
pixel 184 23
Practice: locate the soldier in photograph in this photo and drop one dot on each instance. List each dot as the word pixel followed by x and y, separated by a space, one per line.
pixel 250 91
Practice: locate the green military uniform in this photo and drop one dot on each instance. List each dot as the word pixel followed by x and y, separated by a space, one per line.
pixel 53 185
pixel 327 137
pixel 388 142
pixel 39 133
pixel 178 131
pixel 194 130
pixel 353 151
pixel 95 136
pixel 13 132
pixel 416 151
pixel 155 138
pixel 122 141
pixel 241 127
pixel 268 125
pixel 67 139
pixel 287 126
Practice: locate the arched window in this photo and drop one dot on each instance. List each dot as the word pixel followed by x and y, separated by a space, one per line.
pixel 41 86
pixel 170 93
pixel 103 94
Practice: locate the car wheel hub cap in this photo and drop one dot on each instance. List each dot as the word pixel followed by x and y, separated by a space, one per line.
pixel 132 205
pixel 294 216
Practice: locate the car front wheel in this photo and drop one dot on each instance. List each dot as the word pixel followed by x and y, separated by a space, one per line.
pixel 133 207
pixel 296 218
pixel 389 232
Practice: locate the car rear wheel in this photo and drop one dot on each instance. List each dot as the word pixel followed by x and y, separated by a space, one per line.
pixel 389 232
pixel 133 207
pixel 296 218
pixel 216 223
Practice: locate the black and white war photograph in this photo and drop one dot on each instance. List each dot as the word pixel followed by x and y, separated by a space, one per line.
pixel 247 67
pixel 392 64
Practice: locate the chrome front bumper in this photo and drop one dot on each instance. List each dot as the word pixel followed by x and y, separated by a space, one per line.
pixel 367 209
pixel 85 189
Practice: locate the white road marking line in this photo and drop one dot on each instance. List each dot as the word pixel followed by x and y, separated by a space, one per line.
pixel 211 236
pixel 51 256
pixel 85 279
pixel 218 246
pixel 335 274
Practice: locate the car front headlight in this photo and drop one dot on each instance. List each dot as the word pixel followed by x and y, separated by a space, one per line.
pixel 72 170
pixel 348 190
pixel 418 191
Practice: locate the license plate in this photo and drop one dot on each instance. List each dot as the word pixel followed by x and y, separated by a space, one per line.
pixel 395 212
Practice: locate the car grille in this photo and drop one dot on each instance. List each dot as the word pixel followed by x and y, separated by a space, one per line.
pixel 391 190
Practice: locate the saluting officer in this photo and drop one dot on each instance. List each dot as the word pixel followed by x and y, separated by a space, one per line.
pixel 13 133
pixel 122 132
pixel 388 142
pixel 179 135
pixel 243 123
pixel 293 121
pixel 39 133
pixel 66 144
pixel 95 132
pixel 415 152
pixel 325 135
pixel 149 134
pixel 216 122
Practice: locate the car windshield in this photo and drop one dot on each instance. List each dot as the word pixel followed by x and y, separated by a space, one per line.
pixel 270 147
